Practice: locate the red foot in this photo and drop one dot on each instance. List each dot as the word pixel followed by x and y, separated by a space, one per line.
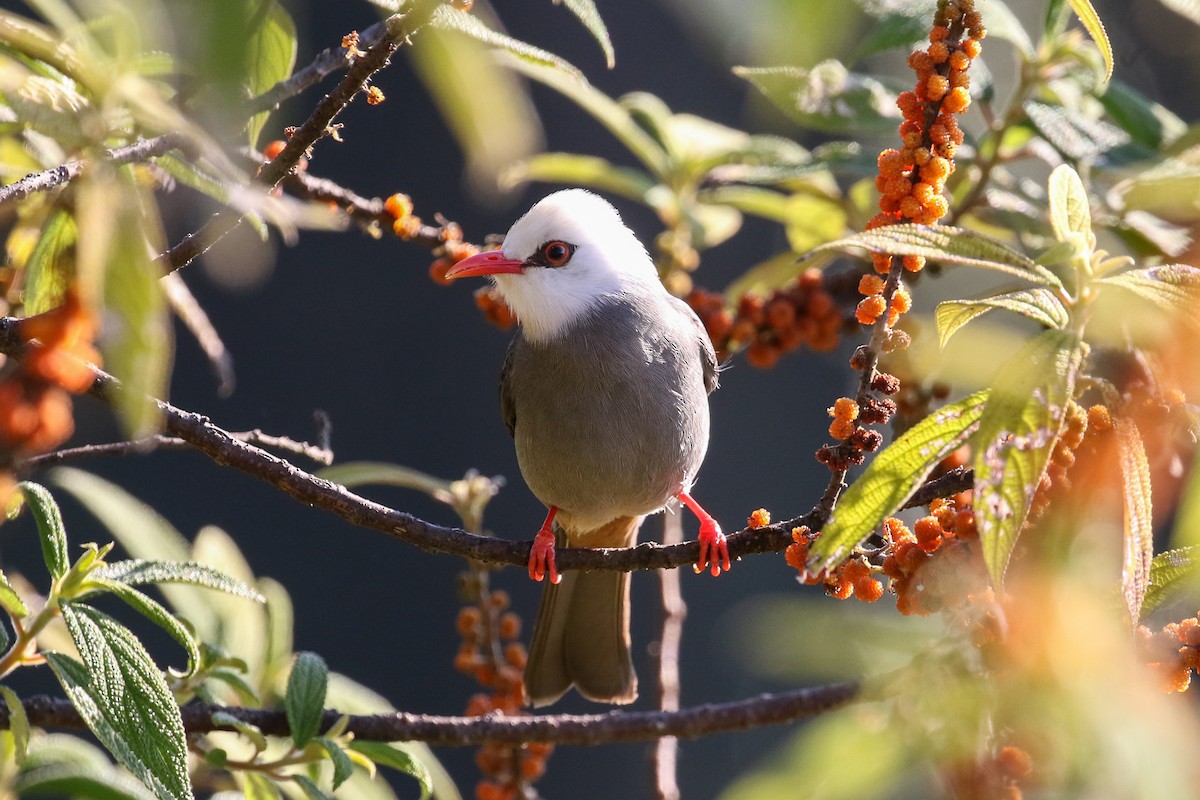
pixel 541 556
pixel 713 549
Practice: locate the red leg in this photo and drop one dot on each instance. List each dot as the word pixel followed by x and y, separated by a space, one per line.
pixel 712 541
pixel 541 556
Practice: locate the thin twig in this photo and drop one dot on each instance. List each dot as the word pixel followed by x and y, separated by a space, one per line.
pixel 399 28
pixel 581 729
pixel 142 150
pixel 317 453
pixel 226 449
pixel 196 320
pixel 666 749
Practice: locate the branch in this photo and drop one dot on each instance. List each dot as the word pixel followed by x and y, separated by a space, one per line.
pixel 580 729
pixel 142 150
pixel 674 611
pixel 317 453
pixel 399 28
pixel 228 450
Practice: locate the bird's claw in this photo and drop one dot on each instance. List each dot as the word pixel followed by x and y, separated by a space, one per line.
pixel 713 549
pixel 541 557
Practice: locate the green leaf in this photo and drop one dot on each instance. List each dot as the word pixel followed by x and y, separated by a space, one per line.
pixel 270 54
pixel 352 474
pixel 1069 209
pixel 343 767
pixel 153 611
pixel 251 732
pixel 311 790
pixel 137 572
pixel 1020 425
pixel 257 786
pixel 580 170
pixel 1095 28
pixel 1072 133
pixel 603 109
pixel 195 177
pixel 18 724
pixel 1139 517
pixel 50 527
pixel 828 98
pixel 305 698
pixel 895 25
pixel 393 757
pixel 586 11
pixel 80 781
pixel 280 624
pixel 1040 305
pixel 1150 124
pixel 452 19
pixel 1174 288
pixel 948 245
pixel 892 477
pixel 1171 570
pixel 124 700
pixel 50 268
pixel 11 602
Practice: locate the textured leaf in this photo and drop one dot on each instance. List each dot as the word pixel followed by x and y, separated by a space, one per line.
pixel 892 477
pixel 50 527
pixel 1139 517
pixel 241 688
pixel 1174 569
pixel 895 25
pixel 393 757
pixel 1076 136
pixel 1020 425
pixel 270 54
pixel 136 572
pixel 343 767
pixel 153 611
pixel 1095 28
pixel 11 602
pixel 256 786
pixel 305 698
pixel 948 245
pixel 580 170
pixel 1069 210
pixel 1148 123
pixel 828 98
pixel 50 268
pixel 1040 305
pixel 18 724
pixel 1174 288
pixel 124 699
pixel 80 781
pixel 586 11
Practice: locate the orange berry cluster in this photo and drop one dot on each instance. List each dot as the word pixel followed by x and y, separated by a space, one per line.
pixel 759 518
pixel 1080 425
pixel 35 406
pixel 491 654
pixel 804 313
pixel 872 306
pixel 1173 653
pixel 854 578
pixel 935 565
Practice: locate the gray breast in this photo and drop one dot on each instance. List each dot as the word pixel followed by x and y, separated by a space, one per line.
pixel 611 419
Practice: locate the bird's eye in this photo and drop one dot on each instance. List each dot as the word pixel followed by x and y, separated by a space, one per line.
pixel 556 253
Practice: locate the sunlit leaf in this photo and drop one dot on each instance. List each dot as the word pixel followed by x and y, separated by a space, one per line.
pixel 1170 571
pixel 580 170
pixel 11 602
pixel 311 790
pixel 139 571
pixel 251 732
pixel 892 477
pixel 18 723
pixel 305 698
pixel 1147 122
pixel 393 757
pixel 1095 28
pixel 1040 305
pixel 50 269
pixel 257 786
pixel 343 767
pixel 1069 209
pixel 1174 288
pixel 1020 425
pixel 586 11
pixel 51 531
pixel 828 98
pixel 124 699
pixel 352 474
pixel 948 245
pixel 153 611
pixel 452 19
pixel 1075 135
pixel 1170 189
pixel 270 54
pixel 1139 517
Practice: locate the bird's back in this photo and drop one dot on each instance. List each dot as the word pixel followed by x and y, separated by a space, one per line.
pixel 611 419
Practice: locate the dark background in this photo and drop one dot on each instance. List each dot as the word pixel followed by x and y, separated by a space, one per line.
pixel 406 371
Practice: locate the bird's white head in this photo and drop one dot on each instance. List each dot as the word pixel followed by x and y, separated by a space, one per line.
pixel 560 259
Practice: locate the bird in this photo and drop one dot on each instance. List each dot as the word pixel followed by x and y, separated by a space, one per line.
pixel 605 391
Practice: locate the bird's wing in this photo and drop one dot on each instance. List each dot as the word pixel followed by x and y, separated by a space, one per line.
pixel 508 410
pixel 708 357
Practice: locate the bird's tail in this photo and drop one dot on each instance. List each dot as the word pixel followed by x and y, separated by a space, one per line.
pixel 581 637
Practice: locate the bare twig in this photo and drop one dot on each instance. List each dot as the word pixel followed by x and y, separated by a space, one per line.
pixel 226 449
pixel 196 320
pixel 318 453
pixel 399 28
pixel 666 749
pixel 142 150
pixel 582 729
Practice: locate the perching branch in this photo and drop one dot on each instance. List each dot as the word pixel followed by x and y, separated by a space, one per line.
pixel 313 452
pixel 580 729
pixel 142 150
pixel 399 28
pixel 226 449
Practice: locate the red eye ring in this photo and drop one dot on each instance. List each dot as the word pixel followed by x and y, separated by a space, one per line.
pixel 556 253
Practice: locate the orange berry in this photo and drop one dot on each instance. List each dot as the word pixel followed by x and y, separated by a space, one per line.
pixel 938 52
pixel 868 590
pixel 759 518
pixel 468 620
pixel 910 207
pixel 937 86
pixel 273 149
pixel 869 309
pixel 844 408
pixel 510 626
pixel 872 284
pixel 879 221
pixel 438 269
pixel 375 96
pixel 957 100
pixel 929 533
pixel 398 205
pixel 1099 418
pixel 781 314
pixel 515 654
pixel 914 263
pixel 882 263
pixel 762 355
pixel 901 300
pixel 1014 762
pixel 920 62
pixel 938 33
pixel 841 429
pixel 959 60
pixel 972 47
